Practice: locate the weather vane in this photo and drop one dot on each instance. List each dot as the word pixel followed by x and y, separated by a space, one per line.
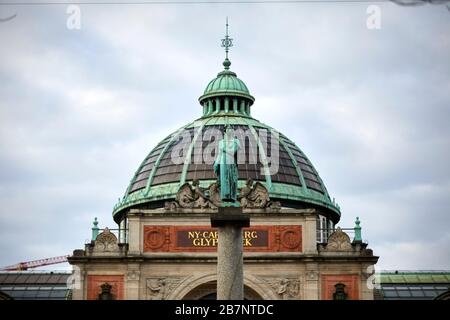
pixel 227 42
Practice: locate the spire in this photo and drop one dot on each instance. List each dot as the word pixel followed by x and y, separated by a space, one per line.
pixel 227 43
pixel 226 93
pixel 357 230
pixel 95 229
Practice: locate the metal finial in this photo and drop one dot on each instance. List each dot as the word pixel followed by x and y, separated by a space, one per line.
pixel 357 230
pixel 227 43
pixel 95 229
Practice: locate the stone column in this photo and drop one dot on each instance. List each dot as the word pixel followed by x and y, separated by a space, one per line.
pixel 134 235
pixel 230 271
pixel 312 282
pixel 78 283
pixel 132 282
pixel 366 281
pixel 309 235
pixel 230 260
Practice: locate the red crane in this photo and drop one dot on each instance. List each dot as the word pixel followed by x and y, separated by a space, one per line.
pixel 35 263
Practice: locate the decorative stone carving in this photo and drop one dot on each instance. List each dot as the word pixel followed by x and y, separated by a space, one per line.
pixel 154 238
pixel 158 288
pixel 312 275
pixel 287 288
pixel 290 238
pixel 106 241
pixel 256 196
pixel 194 196
pixel 251 196
pixel 339 241
pixel 133 275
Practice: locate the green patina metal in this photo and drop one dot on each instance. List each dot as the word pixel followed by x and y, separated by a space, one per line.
pixel 357 230
pixel 158 161
pixel 227 83
pixel 189 153
pixel 227 43
pixel 226 101
pixel 137 172
pixel 294 162
pixel 175 135
pixel 276 190
pixel 228 86
pixel 95 229
pixel 414 277
pixel 315 171
pixel 226 167
pixel 263 158
pixel 231 118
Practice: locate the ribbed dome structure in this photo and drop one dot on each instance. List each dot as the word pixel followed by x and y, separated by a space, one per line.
pixel 226 93
pixel 226 82
pixel 183 156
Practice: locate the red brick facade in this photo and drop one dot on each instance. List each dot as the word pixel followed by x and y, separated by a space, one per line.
pixel 94 283
pixel 351 282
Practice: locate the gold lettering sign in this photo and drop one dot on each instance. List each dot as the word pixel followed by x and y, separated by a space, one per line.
pixel 201 238
pixel 169 238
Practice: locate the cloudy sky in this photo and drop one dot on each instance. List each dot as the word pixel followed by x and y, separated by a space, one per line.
pixel 80 109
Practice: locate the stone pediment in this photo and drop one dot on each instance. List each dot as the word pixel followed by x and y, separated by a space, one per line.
pixel 106 243
pixel 339 241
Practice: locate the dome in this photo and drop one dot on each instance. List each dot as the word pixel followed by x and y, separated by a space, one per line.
pixel 158 178
pixel 226 83
pixel 183 156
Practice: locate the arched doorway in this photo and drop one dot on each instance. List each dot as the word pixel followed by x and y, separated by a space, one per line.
pixel 207 291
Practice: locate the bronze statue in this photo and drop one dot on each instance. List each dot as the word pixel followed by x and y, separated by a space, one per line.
pixel 226 167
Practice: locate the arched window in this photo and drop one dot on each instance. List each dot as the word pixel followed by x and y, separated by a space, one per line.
pixel 340 294
pixel 106 293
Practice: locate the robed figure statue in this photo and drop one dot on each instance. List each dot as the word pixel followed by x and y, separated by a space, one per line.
pixel 226 167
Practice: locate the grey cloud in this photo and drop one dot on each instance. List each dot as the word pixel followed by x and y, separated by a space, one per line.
pixel 81 109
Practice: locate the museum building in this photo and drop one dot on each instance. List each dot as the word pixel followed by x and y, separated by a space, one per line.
pixel 165 248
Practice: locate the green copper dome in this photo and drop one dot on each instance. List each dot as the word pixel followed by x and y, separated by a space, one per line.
pixel 267 155
pixel 226 93
pixel 295 184
pixel 225 84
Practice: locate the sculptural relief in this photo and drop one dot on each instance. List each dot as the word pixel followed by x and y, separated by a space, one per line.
pixel 158 288
pixel 253 195
pixel 339 241
pixel 193 196
pixel 106 241
pixel 287 288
